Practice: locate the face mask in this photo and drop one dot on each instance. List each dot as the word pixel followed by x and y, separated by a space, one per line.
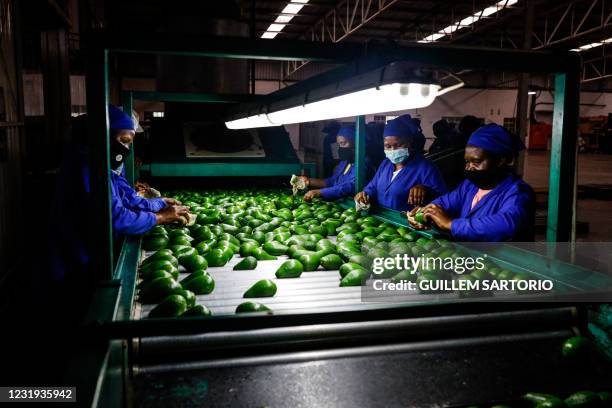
pixel 398 155
pixel 346 154
pixel 483 179
pixel 118 154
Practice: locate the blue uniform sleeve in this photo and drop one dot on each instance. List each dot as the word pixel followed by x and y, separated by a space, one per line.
pixel 338 191
pixel 333 179
pixel 370 188
pixel 137 202
pixel 498 227
pixel 451 202
pixel 127 221
pixel 435 182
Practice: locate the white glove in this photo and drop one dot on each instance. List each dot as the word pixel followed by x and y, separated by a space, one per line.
pixel 359 206
pixel 297 184
pixel 152 193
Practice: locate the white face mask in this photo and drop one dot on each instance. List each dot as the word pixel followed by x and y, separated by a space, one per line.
pixel 398 155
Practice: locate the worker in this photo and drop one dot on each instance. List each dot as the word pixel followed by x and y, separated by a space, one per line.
pixel 131 214
pixel 467 125
pixel 492 204
pixel 405 178
pixel 342 181
pixel 330 153
pixel 444 134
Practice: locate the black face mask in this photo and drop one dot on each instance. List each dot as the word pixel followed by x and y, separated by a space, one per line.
pixel 346 154
pixel 118 154
pixel 483 179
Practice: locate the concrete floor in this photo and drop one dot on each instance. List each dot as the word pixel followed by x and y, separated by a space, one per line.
pixel 592 169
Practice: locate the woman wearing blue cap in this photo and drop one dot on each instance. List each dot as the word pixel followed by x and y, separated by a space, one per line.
pixel 405 178
pixel 131 214
pixel 492 204
pixel 342 182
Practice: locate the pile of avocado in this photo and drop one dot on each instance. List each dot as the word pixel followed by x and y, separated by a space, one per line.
pixel 263 225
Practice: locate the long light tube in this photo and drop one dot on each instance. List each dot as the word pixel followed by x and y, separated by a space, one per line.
pixel 385 98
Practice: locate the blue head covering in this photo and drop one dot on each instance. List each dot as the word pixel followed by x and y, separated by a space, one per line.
pixel 120 120
pixel 347 131
pixel 497 140
pixel 408 128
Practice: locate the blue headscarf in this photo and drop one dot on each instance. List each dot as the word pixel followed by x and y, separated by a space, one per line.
pixel 497 140
pixel 406 127
pixel 119 120
pixel 347 131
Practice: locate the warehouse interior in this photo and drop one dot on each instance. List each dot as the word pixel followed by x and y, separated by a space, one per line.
pixel 192 74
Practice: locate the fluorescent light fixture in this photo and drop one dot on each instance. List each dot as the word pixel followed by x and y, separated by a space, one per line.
pixel 391 88
pixel 269 35
pixel 468 21
pixel 531 92
pixel 290 11
pixel 283 19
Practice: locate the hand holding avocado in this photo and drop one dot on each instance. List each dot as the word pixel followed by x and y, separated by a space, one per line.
pixel 172 214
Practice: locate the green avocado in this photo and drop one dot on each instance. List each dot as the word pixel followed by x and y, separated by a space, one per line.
pixel 155 242
pixel 362 260
pixel 247 248
pixel 170 306
pixel 290 269
pixel 180 250
pixel 163 264
pixel 181 240
pixel 158 289
pixel 150 275
pixel 261 255
pixel 200 285
pixel 583 399
pixel 275 248
pixel 189 297
pixel 204 247
pixel 247 264
pixel 193 275
pixel 537 397
pixel 217 257
pixel 197 310
pixel 159 255
pixel 347 267
pixel 405 275
pixel 251 307
pixel 262 288
pixel 193 262
pixel 575 347
pixel 310 261
pixel 356 277
pixel 331 262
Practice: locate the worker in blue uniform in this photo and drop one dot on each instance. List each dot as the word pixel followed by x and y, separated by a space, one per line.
pixel 405 178
pixel 492 204
pixel 131 214
pixel 342 181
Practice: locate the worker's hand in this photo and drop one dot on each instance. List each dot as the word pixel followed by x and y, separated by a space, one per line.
pixel 414 223
pixel 171 201
pixel 362 197
pixel 172 214
pixel 312 194
pixel 141 186
pixel 416 195
pixel 305 179
pixel 438 216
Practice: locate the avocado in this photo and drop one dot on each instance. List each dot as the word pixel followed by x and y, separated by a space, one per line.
pixel 154 242
pixel 200 285
pixel 150 275
pixel 310 261
pixel 202 248
pixel 193 262
pixel 248 263
pixel 197 310
pixel 159 255
pixel 262 288
pixel 217 257
pixel 347 267
pixel 170 306
pixel 164 265
pixel 576 347
pixel 261 255
pixel 180 250
pixel 193 275
pixel 275 248
pixel 181 240
pixel 361 260
pixel 356 277
pixel 247 248
pixel 420 218
pixel 251 307
pixel 290 269
pixel 331 262
pixel 189 297
pixel 404 276
pixel 583 399
pixel 158 289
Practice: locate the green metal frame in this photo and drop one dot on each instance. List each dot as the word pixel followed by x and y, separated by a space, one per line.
pixel 360 153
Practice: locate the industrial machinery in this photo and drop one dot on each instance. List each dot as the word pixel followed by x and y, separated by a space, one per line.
pixel 324 346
